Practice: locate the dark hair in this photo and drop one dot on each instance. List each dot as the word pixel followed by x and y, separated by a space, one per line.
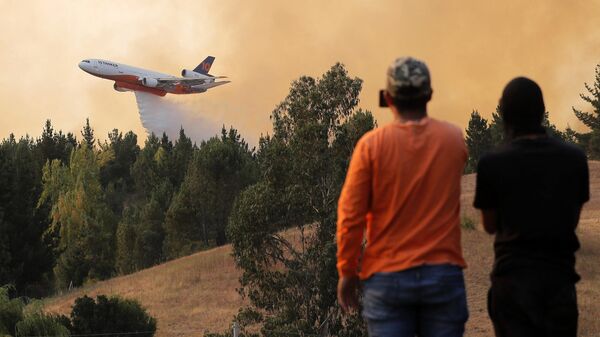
pixel 411 103
pixel 522 107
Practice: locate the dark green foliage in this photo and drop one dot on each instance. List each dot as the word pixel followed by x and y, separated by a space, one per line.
pixel 38 323
pixel 55 145
pixel 140 233
pixel 591 141
pixel 551 129
pixel 88 135
pixel 591 120
pixel 467 223
pixel 140 236
pixel 573 137
pixel 72 266
pixel 17 319
pixel 478 139
pixel 80 214
pixel 145 171
pixel 11 311
pixel 115 175
pixel 498 133
pixel 26 258
pixel 592 144
pixel 110 315
pixel 182 153
pixel 497 128
pixel 290 277
pixel 70 235
pixel 198 215
pixel 89 317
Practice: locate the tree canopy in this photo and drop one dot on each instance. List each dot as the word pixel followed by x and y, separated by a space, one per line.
pixel 283 227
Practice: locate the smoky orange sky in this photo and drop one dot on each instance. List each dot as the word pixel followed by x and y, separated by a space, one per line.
pixel 473 48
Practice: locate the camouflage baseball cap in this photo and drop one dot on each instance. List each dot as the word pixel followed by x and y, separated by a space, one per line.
pixel 408 78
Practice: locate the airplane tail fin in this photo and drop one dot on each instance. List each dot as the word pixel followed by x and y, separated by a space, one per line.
pixel 204 67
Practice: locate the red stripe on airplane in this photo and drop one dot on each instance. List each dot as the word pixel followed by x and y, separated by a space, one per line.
pixel 138 87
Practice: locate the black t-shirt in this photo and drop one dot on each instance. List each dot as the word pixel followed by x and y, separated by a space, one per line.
pixel 537 187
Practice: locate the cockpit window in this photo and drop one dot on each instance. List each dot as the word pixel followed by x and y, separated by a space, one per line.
pixel 86 61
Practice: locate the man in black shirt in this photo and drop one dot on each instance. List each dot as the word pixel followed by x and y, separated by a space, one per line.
pixel 530 192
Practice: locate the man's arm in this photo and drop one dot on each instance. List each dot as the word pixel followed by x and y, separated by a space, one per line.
pixel 353 207
pixel 488 216
pixel 486 195
pixel 584 188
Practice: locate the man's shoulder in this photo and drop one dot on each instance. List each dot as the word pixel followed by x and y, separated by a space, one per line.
pixel 445 126
pixel 568 148
pixel 509 150
pixel 389 130
pixel 369 136
pixel 495 156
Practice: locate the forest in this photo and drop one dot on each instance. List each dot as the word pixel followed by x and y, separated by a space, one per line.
pixel 75 210
pixel 78 210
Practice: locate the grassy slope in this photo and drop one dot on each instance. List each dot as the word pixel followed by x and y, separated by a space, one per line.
pixel 197 293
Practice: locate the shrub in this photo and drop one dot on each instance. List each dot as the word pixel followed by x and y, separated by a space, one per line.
pixel 11 311
pixel 30 320
pixel 111 315
pixel 40 324
pixel 467 223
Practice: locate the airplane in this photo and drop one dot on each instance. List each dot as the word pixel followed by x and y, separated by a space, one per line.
pixel 128 78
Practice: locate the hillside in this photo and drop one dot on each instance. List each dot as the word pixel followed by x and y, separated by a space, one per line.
pixel 197 293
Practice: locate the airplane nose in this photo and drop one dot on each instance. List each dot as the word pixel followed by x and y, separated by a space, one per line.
pixel 82 65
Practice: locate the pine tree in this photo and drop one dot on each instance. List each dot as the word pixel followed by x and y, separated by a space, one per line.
pixel 26 260
pixel 198 215
pixel 145 172
pixel 54 145
pixel 478 139
pixel 591 120
pixel 591 140
pixel 88 134
pixel 115 175
pixel 182 154
pixel 497 128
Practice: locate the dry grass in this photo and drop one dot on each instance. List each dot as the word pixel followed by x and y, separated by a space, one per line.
pixel 197 293
pixel 188 296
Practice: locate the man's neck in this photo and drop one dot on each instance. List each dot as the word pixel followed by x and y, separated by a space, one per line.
pixel 512 135
pixel 530 136
pixel 411 115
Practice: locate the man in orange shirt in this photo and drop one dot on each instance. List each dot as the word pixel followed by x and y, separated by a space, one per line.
pixel 402 191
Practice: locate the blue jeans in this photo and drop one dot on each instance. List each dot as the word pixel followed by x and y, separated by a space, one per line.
pixel 426 301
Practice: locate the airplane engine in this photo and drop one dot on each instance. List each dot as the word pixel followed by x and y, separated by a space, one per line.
pixel 120 89
pixel 149 82
pixel 190 73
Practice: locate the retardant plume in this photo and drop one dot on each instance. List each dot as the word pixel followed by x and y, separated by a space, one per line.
pixel 160 115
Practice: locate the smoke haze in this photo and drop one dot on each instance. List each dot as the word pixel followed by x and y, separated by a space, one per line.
pixel 472 47
pixel 160 115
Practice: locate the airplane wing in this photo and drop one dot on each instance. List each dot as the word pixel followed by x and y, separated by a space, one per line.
pixel 188 82
pixel 213 84
pixel 193 83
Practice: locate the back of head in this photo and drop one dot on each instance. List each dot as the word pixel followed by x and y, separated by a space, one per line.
pixel 409 83
pixel 522 107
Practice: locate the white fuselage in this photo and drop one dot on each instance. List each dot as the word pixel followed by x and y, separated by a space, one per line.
pixel 137 79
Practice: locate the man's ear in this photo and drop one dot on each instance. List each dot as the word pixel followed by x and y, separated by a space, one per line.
pixel 388 98
pixel 427 97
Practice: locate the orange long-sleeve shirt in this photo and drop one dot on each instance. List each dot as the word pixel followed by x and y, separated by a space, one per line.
pixel 403 187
